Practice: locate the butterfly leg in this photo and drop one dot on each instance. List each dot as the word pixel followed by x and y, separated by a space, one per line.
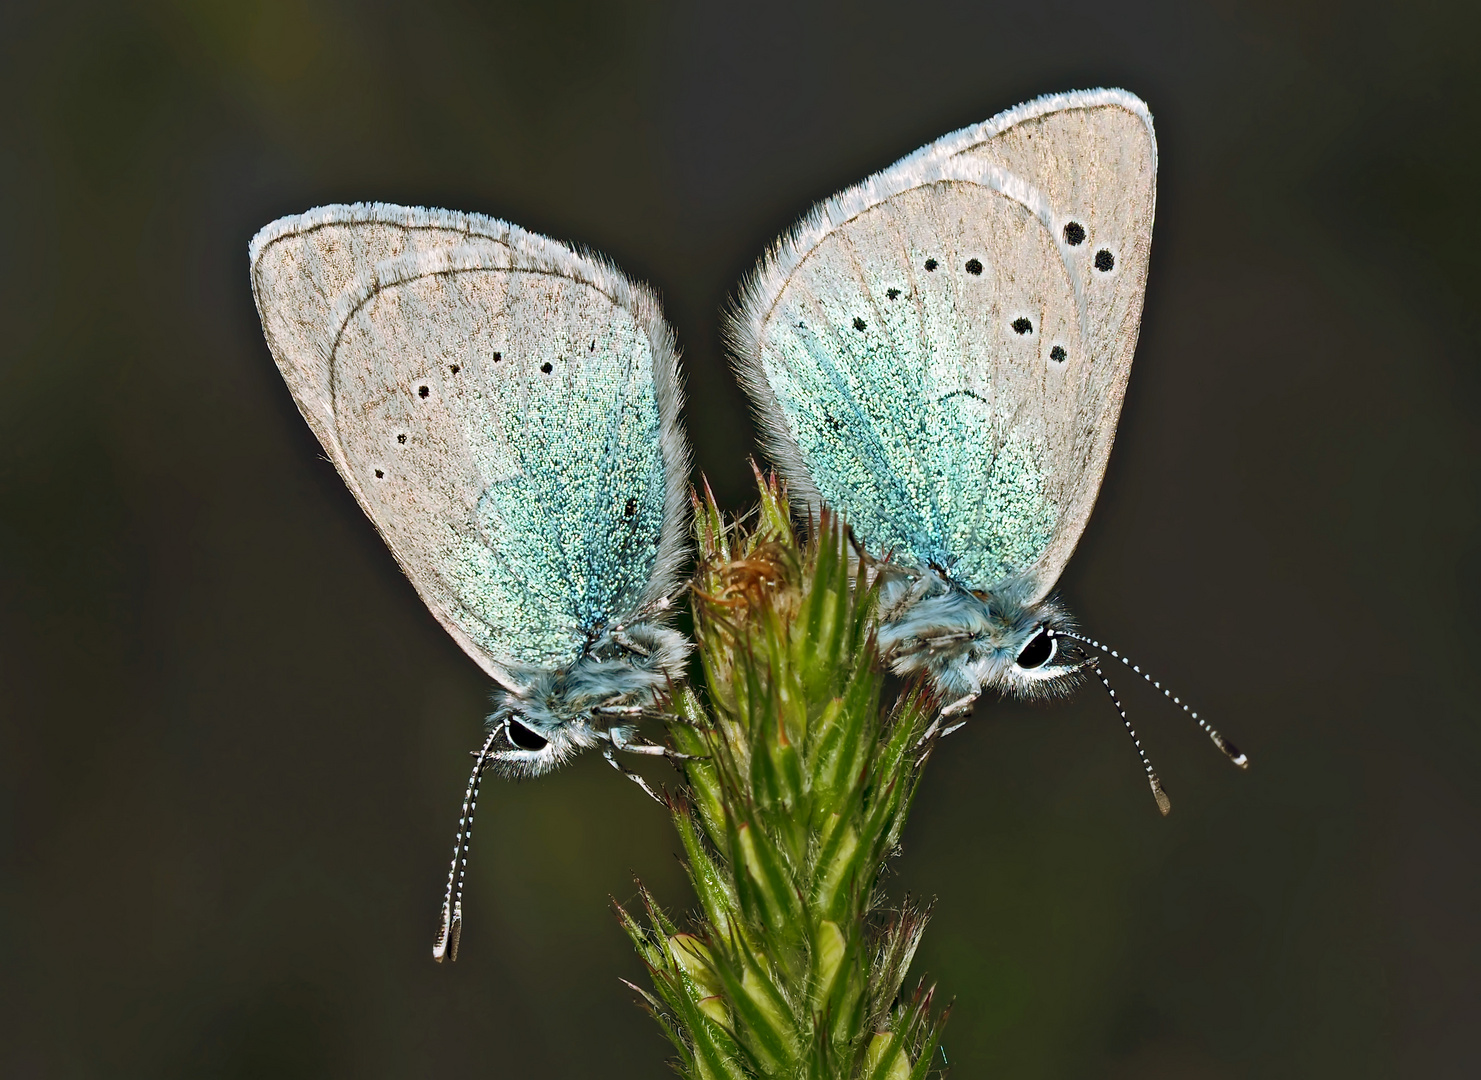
pixel 942 640
pixel 629 644
pixel 634 777
pixel 621 740
pixel 954 709
pixel 617 710
pixel 930 733
pixel 909 599
pixel 960 705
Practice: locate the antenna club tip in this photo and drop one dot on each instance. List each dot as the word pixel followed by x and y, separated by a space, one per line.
pixel 1164 804
pixel 446 945
pixel 1232 752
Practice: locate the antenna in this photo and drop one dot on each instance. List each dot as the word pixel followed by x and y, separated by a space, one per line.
pixel 450 931
pixel 1163 802
pixel 1229 750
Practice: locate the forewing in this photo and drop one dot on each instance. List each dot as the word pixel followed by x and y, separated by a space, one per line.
pixel 948 429
pixel 302 264
pixel 530 507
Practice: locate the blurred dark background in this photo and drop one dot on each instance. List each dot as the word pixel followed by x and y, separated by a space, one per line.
pixel 232 741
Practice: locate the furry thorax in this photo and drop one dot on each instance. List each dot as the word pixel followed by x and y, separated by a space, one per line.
pixel 966 642
pixel 597 699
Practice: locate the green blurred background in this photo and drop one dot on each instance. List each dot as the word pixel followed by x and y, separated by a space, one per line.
pixel 232 741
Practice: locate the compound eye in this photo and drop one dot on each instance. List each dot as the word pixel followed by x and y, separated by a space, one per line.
pixel 523 737
pixel 1038 652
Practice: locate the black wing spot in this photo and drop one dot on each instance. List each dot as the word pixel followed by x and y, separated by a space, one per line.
pixel 593 345
pixel 546 367
pixel 893 294
pixel 859 323
pixel 974 266
pixel 454 368
pixel 1057 354
pixel 379 475
pixel 1074 234
pixel 631 508
pixel 401 439
pixel 1022 325
pixel 422 391
pixel 930 264
pixel 1105 262
pixel 498 356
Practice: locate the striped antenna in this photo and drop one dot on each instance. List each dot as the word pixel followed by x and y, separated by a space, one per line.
pixel 451 929
pixel 1229 750
pixel 1163 802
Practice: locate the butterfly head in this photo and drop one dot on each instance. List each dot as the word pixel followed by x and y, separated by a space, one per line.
pixel 620 677
pixel 1031 660
pixel 966 642
pixel 528 740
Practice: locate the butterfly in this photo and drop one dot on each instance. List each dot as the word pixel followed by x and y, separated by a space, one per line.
pixel 940 354
pixel 505 409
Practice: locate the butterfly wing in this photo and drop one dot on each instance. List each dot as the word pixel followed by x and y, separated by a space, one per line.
pixel 504 409
pixel 941 352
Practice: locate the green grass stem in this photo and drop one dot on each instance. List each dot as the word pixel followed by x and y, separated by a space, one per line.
pixel 796 797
